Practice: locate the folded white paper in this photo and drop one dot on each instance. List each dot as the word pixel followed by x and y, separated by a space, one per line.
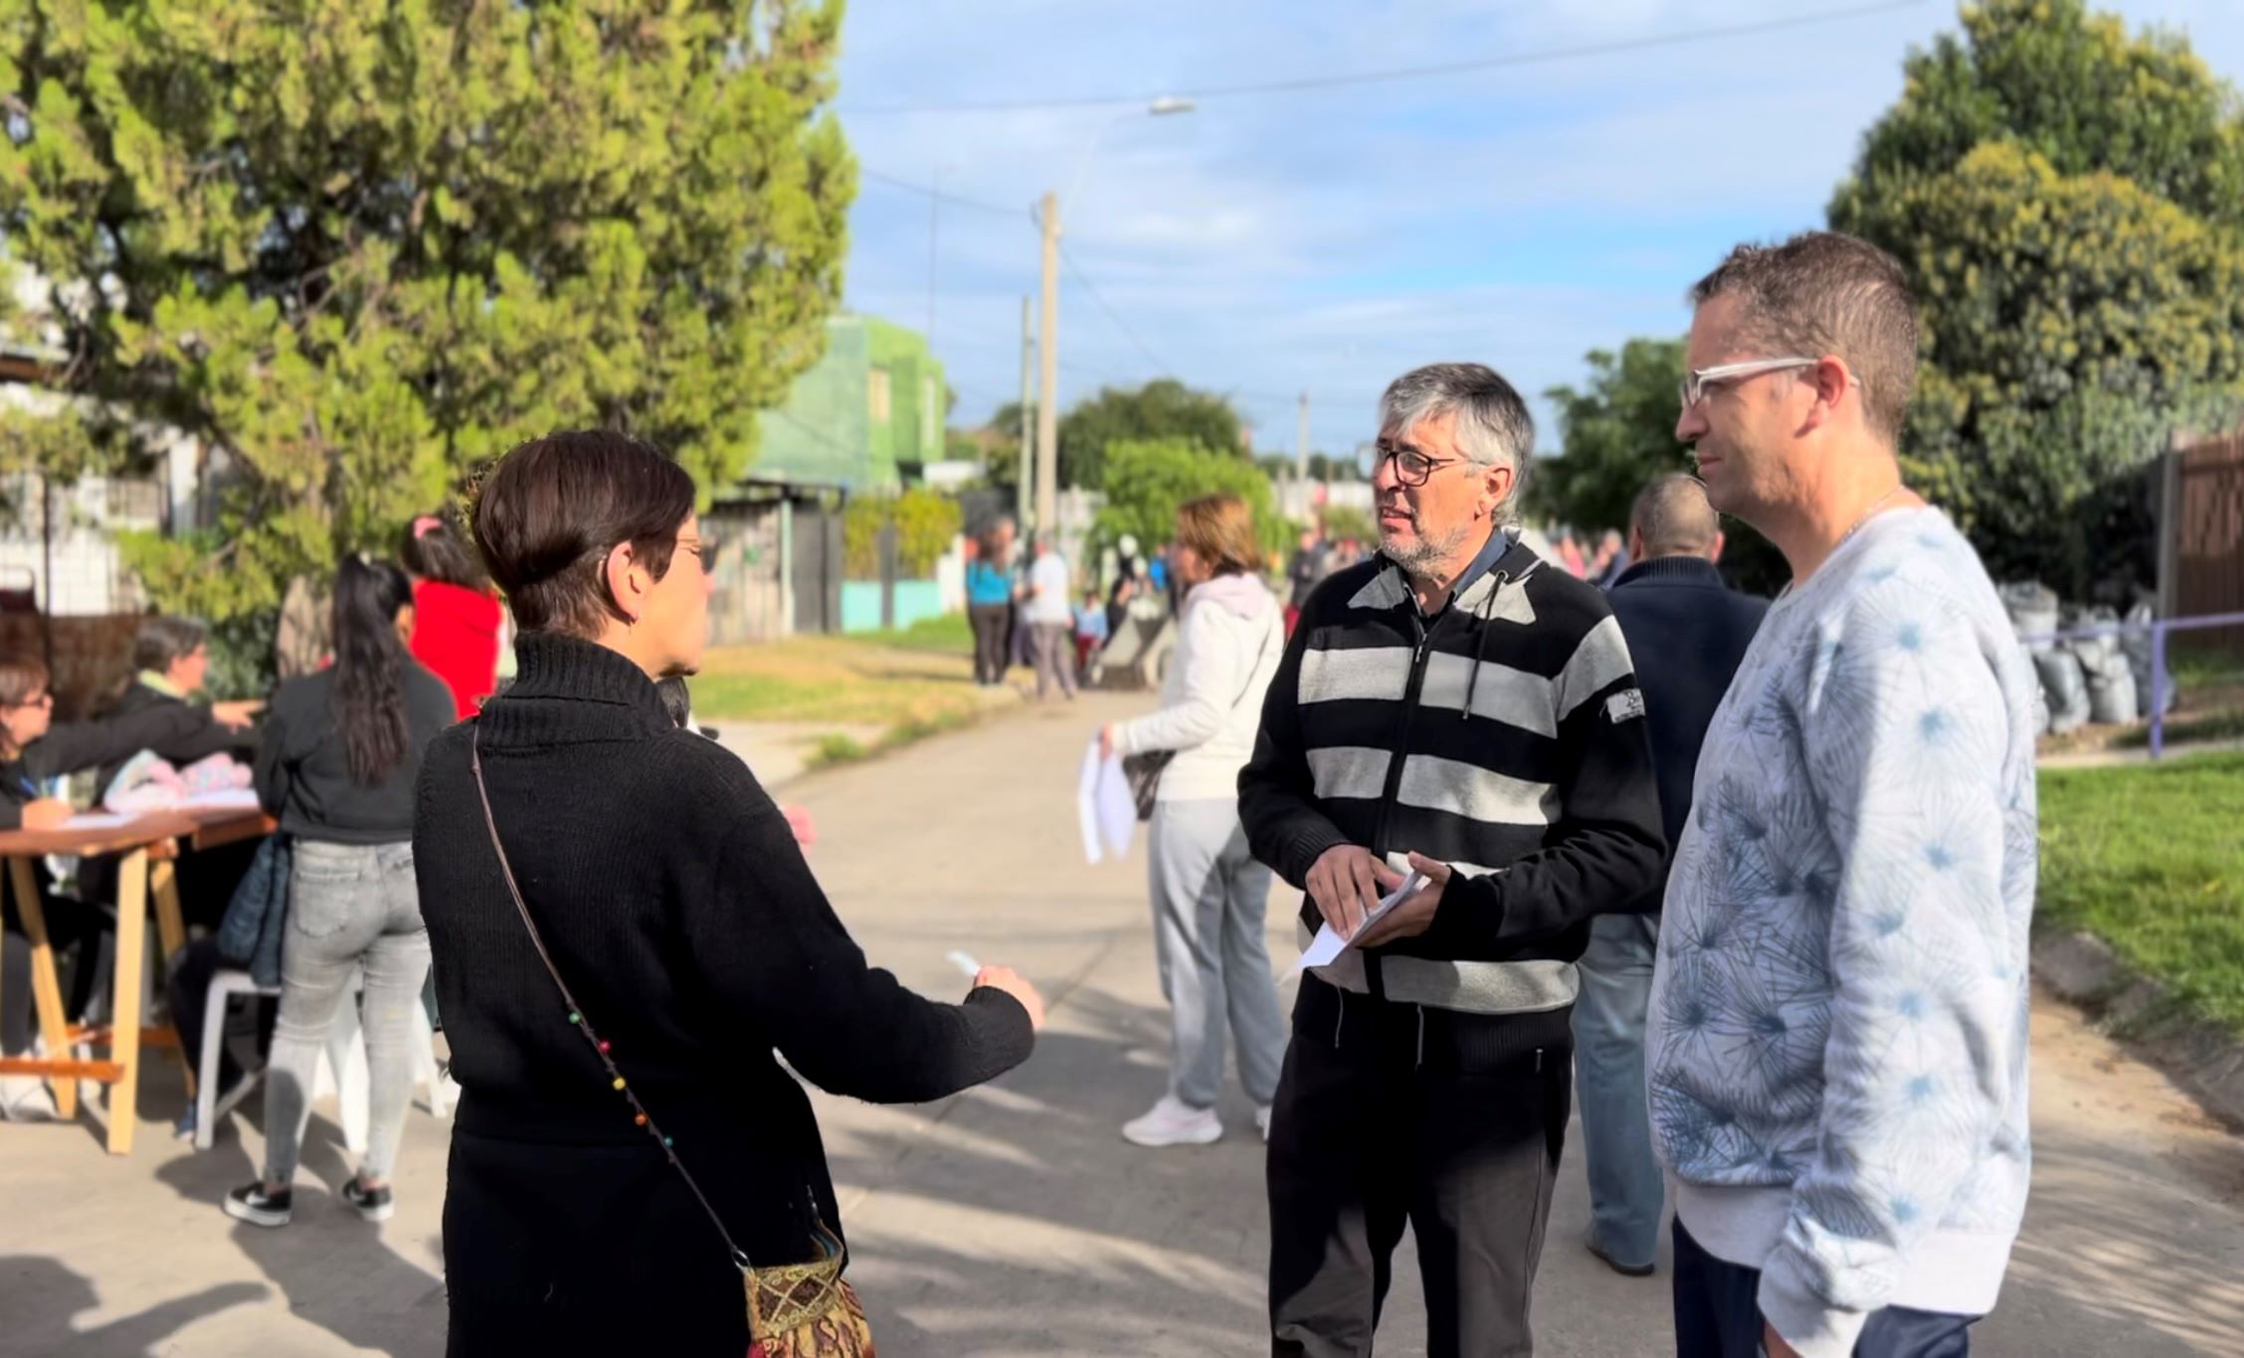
pixel 1327 946
pixel 1104 808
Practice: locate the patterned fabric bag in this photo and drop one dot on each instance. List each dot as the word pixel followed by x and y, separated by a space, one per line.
pixel 801 1310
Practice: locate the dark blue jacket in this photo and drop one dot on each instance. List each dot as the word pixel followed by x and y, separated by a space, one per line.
pixel 1686 631
pixel 250 934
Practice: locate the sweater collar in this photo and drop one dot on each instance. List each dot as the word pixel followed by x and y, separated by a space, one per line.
pixel 551 668
pixel 1695 570
pixel 1390 586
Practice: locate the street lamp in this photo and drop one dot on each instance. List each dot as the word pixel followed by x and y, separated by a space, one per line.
pixel 1048 335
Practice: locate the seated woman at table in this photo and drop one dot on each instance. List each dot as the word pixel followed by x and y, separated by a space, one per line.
pixel 171 660
pixel 35 749
pixel 341 751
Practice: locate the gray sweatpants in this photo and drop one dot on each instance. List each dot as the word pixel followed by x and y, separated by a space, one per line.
pixel 1052 644
pixel 349 905
pixel 1209 901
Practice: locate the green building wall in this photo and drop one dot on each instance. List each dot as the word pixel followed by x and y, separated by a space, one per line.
pixel 874 402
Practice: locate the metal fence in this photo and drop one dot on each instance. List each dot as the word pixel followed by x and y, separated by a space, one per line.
pixel 2162 670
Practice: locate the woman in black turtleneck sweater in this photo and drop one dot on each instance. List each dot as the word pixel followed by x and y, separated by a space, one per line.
pixel 677 909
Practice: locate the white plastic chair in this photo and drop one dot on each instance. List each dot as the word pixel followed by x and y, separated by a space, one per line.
pixel 342 1073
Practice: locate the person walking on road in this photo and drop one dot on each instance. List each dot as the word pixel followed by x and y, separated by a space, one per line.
pixel 1687 631
pixel 1210 897
pixel 627 940
pixel 1454 706
pixel 989 602
pixel 1311 562
pixel 1837 1039
pixel 1050 614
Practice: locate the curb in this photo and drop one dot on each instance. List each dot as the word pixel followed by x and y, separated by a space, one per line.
pixel 2207 1060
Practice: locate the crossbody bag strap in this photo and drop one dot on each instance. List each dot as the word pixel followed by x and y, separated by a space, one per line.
pixel 577 1017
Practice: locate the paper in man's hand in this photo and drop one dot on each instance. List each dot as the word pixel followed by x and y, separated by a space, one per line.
pixel 1327 946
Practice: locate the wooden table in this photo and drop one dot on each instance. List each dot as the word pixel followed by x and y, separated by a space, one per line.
pixel 145 846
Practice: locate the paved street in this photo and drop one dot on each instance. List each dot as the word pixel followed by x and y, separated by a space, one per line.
pixel 1014 1220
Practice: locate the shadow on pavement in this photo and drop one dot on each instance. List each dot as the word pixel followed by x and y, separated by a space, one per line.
pixel 39 1297
pixel 332 1267
pixel 2104 1237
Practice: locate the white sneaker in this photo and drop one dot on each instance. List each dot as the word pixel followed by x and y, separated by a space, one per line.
pixel 1172 1123
pixel 26 1098
pixel 1262 1120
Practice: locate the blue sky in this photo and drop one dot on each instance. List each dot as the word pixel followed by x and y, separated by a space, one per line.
pixel 1327 240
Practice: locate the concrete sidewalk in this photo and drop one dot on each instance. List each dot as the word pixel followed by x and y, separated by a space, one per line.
pixel 1014 1219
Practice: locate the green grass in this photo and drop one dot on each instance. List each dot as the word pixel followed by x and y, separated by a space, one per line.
pixel 948 634
pixel 2150 857
pixel 2204 727
pixel 836 680
pixel 836 749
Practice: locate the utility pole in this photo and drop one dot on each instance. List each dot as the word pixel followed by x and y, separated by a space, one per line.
pixel 1025 508
pixel 1048 394
pixel 934 211
pixel 1301 456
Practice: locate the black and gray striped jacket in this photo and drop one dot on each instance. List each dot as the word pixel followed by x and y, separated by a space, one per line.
pixel 1504 736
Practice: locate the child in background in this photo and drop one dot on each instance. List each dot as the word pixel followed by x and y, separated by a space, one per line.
pixel 677 700
pixel 1091 629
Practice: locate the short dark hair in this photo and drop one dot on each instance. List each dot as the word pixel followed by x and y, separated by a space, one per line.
pixel 548 514
pixel 161 641
pixel 20 677
pixel 1674 518
pixel 1823 292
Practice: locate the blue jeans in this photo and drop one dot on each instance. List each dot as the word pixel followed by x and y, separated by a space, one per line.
pixel 1717 1315
pixel 350 906
pixel 1624 1175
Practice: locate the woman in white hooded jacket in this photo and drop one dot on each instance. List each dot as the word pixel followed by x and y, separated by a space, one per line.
pixel 1210 896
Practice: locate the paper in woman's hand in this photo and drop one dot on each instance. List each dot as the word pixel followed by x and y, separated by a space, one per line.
pixel 1327 946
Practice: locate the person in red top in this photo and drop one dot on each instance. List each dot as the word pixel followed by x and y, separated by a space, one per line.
pixel 456 615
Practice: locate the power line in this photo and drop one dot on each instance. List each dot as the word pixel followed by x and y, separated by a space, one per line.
pixel 939 195
pixel 1302 83
pixel 1068 258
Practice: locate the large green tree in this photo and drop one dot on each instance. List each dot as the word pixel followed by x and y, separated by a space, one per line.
pixel 361 248
pixel 1616 432
pixel 2069 201
pixel 1146 481
pixel 1161 409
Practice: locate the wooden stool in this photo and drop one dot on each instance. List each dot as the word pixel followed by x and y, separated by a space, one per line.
pixel 136 842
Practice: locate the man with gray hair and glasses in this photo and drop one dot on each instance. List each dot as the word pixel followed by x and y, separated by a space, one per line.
pixel 1837 1039
pixel 1452 707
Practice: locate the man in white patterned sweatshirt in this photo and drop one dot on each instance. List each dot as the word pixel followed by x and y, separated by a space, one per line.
pixel 1836 1054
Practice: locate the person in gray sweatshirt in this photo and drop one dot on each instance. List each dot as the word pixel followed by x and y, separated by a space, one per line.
pixel 1210 896
pixel 1837 1040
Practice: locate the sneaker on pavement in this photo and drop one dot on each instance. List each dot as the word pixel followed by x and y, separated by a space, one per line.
pixel 251 1203
pixel 1172 1123
pixel 1625 1270
pixel 374 1204
pixel 26 1098
pixel 184 1128
pixel 1262 1121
